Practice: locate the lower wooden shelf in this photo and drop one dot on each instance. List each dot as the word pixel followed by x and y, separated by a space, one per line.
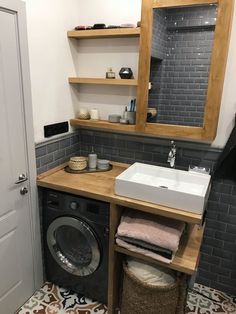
pixel 102 81
pixel 102 124
pixel 105 33
pixel 186 258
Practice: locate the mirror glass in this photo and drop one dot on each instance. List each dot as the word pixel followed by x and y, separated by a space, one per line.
pixel 182 43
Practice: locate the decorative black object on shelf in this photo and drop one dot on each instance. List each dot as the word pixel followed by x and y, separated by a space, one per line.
pixel 126 73
pixel 99 26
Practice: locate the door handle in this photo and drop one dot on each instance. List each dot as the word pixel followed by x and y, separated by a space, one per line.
pixel 22 178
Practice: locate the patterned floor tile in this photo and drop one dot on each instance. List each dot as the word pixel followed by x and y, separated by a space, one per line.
pixel 204 300
pixel 51 299
pixel 32 306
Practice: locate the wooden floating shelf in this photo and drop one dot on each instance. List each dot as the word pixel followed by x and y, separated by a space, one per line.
pixel 102 124
pixel 186 258
pixel 104 33
pixel 102 81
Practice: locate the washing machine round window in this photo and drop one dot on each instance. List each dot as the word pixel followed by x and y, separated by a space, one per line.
pixel 73 245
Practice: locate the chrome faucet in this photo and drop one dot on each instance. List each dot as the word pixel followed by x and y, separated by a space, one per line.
pixel 172 154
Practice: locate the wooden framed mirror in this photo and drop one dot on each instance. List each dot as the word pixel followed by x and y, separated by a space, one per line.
pixel 194 112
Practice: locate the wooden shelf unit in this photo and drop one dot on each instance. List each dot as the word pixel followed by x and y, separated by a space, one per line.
pixel 104 33
pixel 100 186
pixel 102 124
pixel 186 257
pixel 102 81
pixel 185 260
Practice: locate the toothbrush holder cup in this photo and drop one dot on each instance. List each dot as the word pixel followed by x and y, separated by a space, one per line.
pixel 131 117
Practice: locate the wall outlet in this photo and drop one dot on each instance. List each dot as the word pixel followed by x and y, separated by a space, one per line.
pixel 56 128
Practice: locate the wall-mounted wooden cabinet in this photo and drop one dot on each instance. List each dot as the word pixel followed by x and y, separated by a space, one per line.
pixel 218 30
pixel 204 74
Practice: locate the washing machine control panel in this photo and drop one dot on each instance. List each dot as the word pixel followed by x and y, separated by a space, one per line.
pixel 91 209
pixel 53 200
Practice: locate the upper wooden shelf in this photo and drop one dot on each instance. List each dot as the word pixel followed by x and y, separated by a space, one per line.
pixel 187 256
pixel 105 33
pixel 102 81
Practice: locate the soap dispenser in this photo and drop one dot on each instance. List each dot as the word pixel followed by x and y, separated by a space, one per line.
pixel 92 160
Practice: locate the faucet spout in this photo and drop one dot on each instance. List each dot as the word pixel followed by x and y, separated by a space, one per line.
pixel 172 162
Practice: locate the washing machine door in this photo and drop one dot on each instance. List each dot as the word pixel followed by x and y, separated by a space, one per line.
pixel 73 245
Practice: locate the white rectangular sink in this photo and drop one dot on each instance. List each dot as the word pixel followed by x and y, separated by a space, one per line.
pixel 179 189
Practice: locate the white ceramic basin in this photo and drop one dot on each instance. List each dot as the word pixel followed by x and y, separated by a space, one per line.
pixel 180 189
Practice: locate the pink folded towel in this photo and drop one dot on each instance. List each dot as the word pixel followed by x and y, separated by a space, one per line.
pixel 153 229
pixel 136 249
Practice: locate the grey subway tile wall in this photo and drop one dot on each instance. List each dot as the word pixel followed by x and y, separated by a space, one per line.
pixel 181 55
pixel 159 35
pixel 218 252
pixel 55 152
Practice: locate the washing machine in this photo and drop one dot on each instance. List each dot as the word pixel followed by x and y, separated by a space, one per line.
pixel 76 238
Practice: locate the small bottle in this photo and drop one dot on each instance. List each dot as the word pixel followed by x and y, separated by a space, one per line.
pixel 110 74
pixel 125 114
pixel 92 160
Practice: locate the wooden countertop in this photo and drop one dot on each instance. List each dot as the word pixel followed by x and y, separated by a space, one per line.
pixel 100 186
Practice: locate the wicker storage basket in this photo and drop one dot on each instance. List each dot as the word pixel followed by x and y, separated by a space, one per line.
pixel 141 298
pixel 77 163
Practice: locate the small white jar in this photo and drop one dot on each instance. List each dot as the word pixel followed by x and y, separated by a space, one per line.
pixel 94 114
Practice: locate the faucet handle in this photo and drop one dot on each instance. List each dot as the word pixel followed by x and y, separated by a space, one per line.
pixel 173 146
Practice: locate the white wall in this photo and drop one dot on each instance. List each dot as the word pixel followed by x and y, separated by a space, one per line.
pixel 50 60
pixel 93 57
pixel 53 58
pixel 228 104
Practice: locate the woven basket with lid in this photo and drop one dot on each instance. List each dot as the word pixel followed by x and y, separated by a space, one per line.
pixel 78 163
pixel 141 298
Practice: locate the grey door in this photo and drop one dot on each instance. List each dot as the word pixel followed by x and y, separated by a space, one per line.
pixel 16 253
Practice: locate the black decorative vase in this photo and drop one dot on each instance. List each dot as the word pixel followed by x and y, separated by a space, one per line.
pixel 126 73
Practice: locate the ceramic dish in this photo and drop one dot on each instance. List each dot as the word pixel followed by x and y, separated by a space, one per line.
pixel 114 118
pixel 103 164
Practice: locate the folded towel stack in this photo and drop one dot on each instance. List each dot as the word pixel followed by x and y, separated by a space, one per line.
pixel 151 235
